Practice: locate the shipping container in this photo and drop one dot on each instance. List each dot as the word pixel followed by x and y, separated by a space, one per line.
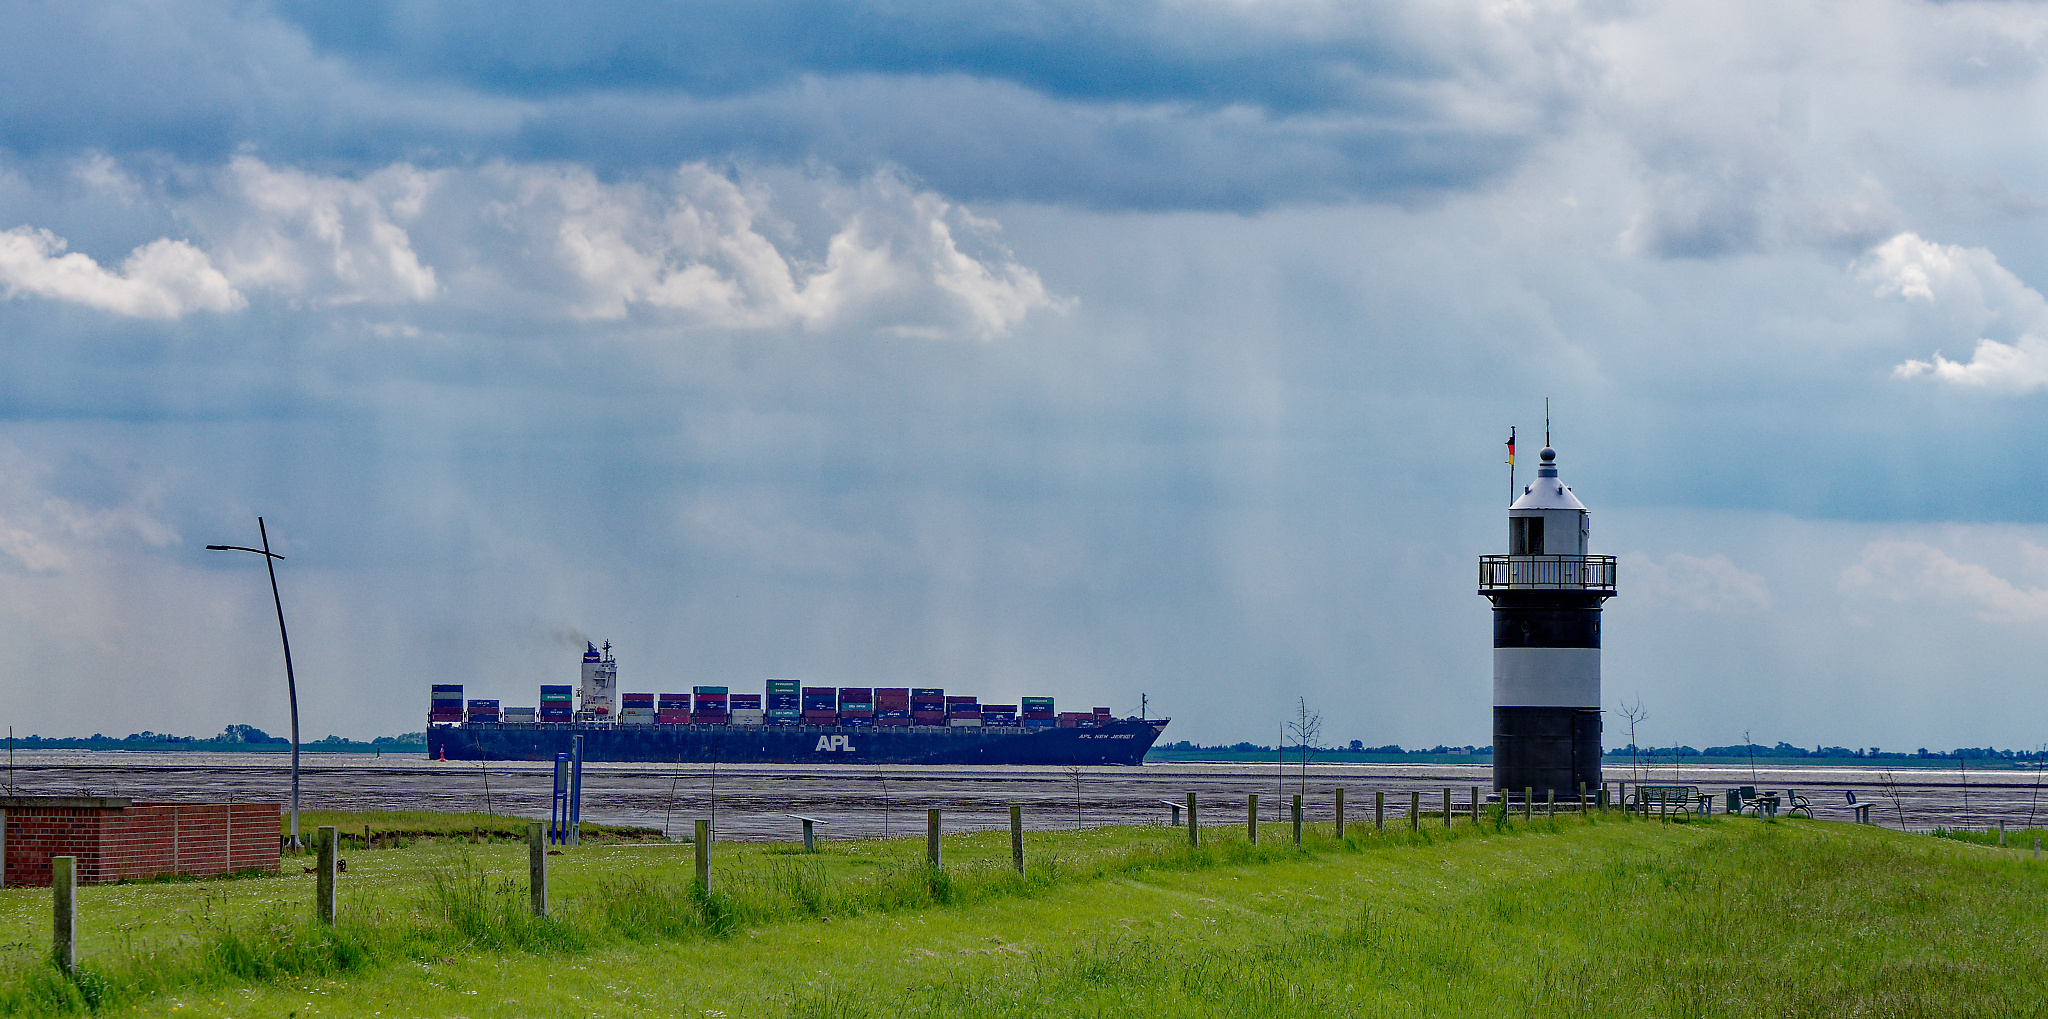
pixel 963 699
pixel 667 717
pixel 702 690
pixel 673 702
pixel 892 719
pixel 745 702
pixel 444 716
pixel 489 704
pixel 893 696
pixel 964 723
pixel 518 716
pixel 708 718
pixel 927 718
pixel 927 699
pixel 821 718
pixel 784 702
pixel 788 686
pixel 1040 723
pixel 783 714
pixel 747 716
pixel 637 716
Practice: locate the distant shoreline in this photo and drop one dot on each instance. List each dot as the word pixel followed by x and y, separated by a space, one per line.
pixel 207 747
pixel 1272 757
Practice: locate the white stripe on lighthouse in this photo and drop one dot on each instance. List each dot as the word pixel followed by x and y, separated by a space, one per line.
pixel 1546 677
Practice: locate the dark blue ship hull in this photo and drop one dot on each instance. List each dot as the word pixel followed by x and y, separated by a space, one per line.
pixel 1119 742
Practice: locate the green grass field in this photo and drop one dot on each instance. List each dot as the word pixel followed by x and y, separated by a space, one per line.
pixel 1615 918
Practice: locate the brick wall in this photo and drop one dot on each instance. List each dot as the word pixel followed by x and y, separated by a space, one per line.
pixel 143 840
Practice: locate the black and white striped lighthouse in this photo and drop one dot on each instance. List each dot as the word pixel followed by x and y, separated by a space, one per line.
pixel 1546 595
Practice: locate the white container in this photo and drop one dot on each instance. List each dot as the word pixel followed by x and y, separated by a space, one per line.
pixel 520 716
pixel 636 716
pixel 964 723
pixel 748 716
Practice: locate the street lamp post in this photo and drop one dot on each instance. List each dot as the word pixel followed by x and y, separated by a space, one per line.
pixel 291 683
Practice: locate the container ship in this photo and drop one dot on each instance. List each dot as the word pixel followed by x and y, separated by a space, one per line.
pixel 787 724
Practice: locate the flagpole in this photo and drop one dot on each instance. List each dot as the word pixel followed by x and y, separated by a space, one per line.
pixel 1511 465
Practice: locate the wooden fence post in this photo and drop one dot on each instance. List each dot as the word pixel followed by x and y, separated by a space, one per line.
pixel 1251 818
pixel 1475 806
pixel 64 911
pixel 1379 810
pixel 1017 836
pixel 1550 802
pixel 1447 806
pixel 1297 819
pixel 1194 831
pixel 1528 803
pixel 1415 810
pixel 537 867
pixel 1340 815
pixel 931 838
pixel 703 847
pixel 325 870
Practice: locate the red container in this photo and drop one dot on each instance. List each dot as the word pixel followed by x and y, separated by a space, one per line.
pixel 895 720
pixel 746 702
pixel 445 716
pixel 821 718
pixel 675 702
pixel 897 697
pixel 709 718
pixel 928 717
pixel 672 717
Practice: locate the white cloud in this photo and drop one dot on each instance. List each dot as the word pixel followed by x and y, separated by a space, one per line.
pixel 1705 584
pixel 161 279
pixel 329 239
pixel 43 533
pixel 1970 291
pixel 1904 571
pixel 709 250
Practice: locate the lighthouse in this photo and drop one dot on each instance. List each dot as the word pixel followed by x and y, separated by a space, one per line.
pixel 1546 594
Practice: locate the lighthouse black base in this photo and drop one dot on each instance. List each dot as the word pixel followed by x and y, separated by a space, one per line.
pixel 1549 750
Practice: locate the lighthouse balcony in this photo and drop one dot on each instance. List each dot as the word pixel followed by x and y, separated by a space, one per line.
pixel 1591 573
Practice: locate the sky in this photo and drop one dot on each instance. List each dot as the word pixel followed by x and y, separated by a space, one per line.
pixel 1026 347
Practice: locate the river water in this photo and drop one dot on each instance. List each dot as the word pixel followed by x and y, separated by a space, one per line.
pixel 754 801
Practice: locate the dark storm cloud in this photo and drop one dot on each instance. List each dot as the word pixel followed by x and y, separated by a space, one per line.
pixel 1145 107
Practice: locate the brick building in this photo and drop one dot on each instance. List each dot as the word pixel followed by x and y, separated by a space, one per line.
pixel 117 839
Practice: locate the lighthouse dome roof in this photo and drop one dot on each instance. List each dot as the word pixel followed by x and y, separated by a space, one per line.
pixel 1548 491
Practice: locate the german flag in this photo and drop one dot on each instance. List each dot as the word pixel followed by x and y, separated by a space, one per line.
pixel 1511 447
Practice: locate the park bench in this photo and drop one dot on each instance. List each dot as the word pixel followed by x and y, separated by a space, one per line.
pixel 1681 799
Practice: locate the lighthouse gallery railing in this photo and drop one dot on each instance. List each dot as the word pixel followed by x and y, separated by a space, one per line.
pixel 1546 572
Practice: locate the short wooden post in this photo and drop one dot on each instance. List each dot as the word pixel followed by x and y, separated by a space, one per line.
pixel 537 867
pixel 1297 819
pixel 1017 837
pixel 1475 806
pixel 1340 815
pixel 1582 798
pixel 325 873
pixel 1379 811
pixel 2037 849
pixel 1415 810
pixel 1194 830
pixel 2001 834
pixel 703 847
pixel 1528 803
pixel 64 911
pixel 1550 802
pixel 1251 818
pixel 1447 806
pixel 931 838
pixel 366 836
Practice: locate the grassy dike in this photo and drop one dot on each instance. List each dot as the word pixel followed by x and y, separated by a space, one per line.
pixel 1616 918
